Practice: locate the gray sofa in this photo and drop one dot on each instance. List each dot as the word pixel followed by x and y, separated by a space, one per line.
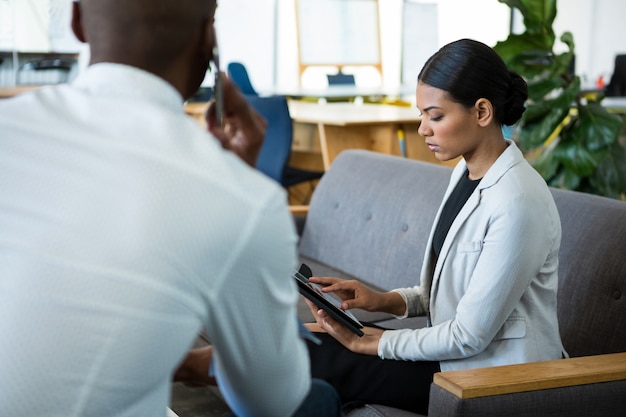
pixel 370 217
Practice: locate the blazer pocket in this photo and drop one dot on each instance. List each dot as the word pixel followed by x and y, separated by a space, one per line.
pixel 468 247
pixel 513 328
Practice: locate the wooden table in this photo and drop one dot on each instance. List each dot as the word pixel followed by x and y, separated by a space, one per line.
pixel 331 128
pixel 8 92
pixel 322 131
pixel 615 104
pixel 197 111
pixel 344 91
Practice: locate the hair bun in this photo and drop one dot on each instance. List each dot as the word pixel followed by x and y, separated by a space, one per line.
pixel 517 96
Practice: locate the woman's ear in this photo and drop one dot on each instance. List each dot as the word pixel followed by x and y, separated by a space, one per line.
pixel 77 22
pixel 484 111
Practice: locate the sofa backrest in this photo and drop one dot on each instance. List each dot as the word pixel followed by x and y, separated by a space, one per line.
pixel 371 214
pixel 592 273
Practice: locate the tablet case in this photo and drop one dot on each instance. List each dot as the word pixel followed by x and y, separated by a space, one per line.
pixel 326 301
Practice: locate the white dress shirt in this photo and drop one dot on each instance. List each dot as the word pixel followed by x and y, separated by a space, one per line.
pixel 491 294
pixel 125 229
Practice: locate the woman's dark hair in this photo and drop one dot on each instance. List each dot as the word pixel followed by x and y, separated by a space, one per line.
pixel 468 70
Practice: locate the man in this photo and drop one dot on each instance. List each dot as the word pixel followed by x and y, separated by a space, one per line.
pixel 125 229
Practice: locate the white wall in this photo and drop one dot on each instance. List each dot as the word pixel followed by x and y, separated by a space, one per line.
pixel 597 26
pixel 262 33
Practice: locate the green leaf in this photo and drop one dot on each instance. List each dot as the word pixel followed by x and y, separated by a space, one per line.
pixel 536 133
pixel 566 179
pixel 597 127
pixel 538 89
pixel 546 165
pixel 586 155
pixel 538 14
pixel 575 157
pixel 610 176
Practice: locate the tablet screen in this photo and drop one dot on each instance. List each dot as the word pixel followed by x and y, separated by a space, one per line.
pixel 329 302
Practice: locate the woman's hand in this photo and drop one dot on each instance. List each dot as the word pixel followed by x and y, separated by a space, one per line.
pixel 366 344
pixel 243 130
pixel 357 295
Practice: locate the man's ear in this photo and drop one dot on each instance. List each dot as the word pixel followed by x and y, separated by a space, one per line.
pixel 77 22
pixel 210 37
pixel 484 111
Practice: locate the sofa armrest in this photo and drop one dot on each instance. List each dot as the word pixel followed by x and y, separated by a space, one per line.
pixel 576 387
pixel 509 379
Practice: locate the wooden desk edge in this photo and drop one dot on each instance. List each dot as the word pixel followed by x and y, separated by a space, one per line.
pixel 483 382
pixel 298 209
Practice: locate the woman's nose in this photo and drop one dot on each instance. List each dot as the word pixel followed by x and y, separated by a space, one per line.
pixel 423 129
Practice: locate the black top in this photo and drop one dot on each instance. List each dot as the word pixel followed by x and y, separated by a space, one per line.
pixel 455 202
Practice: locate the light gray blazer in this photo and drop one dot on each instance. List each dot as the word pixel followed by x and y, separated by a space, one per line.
pixel 491 295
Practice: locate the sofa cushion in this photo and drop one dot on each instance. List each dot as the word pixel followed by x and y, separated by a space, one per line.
pixel 371 214
pixel 592 273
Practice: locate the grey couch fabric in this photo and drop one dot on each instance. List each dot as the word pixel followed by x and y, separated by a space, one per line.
pixel 370 217
pixel 602 400
pixel 592 273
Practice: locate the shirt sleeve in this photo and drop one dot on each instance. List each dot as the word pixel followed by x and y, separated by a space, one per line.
pixel 260 359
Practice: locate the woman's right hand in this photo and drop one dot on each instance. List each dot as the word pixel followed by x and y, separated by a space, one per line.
pixel 355 294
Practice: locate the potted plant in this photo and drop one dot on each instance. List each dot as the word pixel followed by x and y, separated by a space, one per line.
pixel 568 136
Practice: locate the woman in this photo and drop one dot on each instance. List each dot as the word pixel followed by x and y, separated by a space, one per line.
pixel 489 279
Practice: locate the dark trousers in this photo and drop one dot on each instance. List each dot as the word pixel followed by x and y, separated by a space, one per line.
pixel 361 379
pixel 321 401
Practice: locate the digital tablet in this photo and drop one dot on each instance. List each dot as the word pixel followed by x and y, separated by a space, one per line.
pixel 329 302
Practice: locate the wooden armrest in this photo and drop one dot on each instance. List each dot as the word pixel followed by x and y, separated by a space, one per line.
pixel 483 382
pixel 297 209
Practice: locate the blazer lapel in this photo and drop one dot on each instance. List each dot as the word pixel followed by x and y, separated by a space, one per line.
pixel 510 157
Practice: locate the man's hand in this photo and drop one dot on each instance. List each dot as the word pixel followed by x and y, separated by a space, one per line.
pixel 244 129
pixel 194 369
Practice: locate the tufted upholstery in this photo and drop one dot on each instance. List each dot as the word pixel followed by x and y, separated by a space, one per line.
pixel 370 217
pixel 592 273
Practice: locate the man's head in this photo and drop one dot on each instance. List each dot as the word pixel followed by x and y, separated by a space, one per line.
pixel 171 38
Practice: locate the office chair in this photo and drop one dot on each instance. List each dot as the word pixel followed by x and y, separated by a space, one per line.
pixel 340 79
pixel 238 73
pixel 58 68
pixel 274 155
pixel 617 85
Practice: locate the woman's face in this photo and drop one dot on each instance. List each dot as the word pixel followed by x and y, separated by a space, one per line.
pixel 449 128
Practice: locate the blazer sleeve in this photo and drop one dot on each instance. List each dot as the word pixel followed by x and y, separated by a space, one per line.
pixel 517 238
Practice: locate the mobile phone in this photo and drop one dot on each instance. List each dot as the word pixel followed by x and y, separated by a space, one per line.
pixel 218 92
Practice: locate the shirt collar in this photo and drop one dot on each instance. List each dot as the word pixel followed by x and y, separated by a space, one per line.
pixel 124 81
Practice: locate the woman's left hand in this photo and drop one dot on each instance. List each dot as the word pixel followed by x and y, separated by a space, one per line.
pixel 366 344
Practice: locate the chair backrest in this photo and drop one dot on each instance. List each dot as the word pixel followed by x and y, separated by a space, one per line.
pixel 617 85
pixel 58 70
pixel 276 147
pixel 239 74
pixel 340 79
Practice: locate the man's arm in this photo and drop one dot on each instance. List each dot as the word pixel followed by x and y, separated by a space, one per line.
pixel 261 364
